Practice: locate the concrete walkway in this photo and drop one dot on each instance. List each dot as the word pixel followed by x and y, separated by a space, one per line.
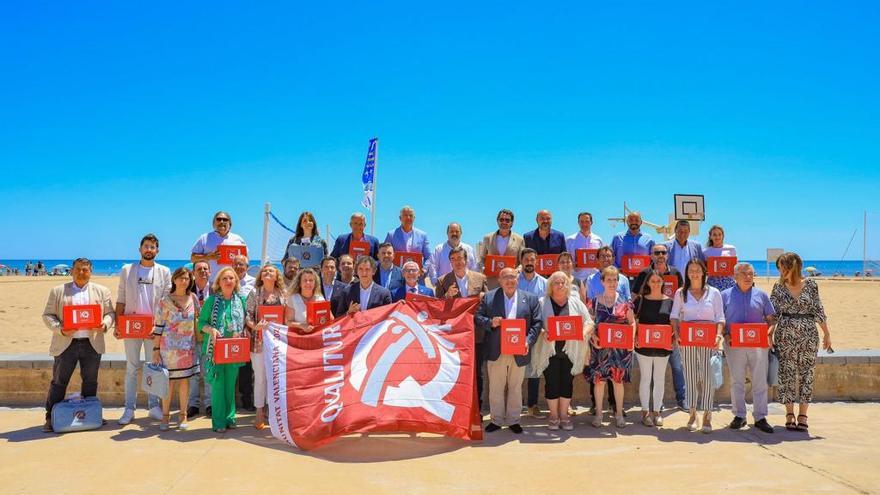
pixel 840 455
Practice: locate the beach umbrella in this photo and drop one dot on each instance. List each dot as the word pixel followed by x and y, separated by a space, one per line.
pixel 810 269
pixel 60 266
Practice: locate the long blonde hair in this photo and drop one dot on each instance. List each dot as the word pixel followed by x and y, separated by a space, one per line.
pixel 790 266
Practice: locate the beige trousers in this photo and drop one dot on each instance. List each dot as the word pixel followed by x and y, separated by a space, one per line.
pixel 505 390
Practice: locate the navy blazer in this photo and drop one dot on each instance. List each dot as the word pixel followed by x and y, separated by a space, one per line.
pixel 554 244
pixel 379 296
pixel 400 293
pixel 343 242
pixel 693 247
pixel 419 242
pixel 527 308
pixel 395 278
pixel 337 297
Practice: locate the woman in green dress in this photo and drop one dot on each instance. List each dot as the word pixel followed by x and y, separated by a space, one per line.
pixel 222 315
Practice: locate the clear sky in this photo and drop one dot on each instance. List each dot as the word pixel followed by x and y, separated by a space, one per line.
pixel 118 119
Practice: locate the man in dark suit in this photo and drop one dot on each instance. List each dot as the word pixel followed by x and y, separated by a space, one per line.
pixel 506 371
pixel 681 249
pixel 332 289
pixel 388 275
pixel 365 294
pixel 411 273
pixel 342 246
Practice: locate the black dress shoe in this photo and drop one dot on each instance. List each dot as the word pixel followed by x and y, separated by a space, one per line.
pixel 737 423
pixel 192 412
pixel 492 427
pixel 763 425
pixel 516 428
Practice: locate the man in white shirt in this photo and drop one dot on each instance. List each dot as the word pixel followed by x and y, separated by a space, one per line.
pixel 246 282
pixel 142 287
pixel 205 248
pixel 439 265
pixel 583 239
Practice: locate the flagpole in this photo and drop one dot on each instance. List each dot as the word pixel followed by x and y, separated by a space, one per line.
pixel 375 179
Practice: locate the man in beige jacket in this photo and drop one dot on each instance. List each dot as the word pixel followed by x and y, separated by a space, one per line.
pixel 504 242
pixel 83 346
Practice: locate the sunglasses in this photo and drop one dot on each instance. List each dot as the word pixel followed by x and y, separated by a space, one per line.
pixel 659 253
pixel 221 219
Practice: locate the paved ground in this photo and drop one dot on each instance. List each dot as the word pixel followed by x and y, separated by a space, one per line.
pixel 840 455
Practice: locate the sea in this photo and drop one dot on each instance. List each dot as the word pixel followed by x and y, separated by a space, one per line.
pixel 829 268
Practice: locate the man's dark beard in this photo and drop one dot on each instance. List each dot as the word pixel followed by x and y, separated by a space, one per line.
pixel 148 256
pixel 528 268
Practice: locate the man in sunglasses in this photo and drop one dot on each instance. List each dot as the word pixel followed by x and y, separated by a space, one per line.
pixel 205 248
pixel 502 242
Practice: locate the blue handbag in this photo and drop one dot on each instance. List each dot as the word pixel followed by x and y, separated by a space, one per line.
pixel 77 415
pixel 155 380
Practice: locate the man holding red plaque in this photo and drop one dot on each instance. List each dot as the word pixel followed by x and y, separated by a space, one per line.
pixel 506 372
pixel 438 265
pixel 745 303
pixel 584 238
pixel 411 285
pixel 681 249
pixel 408 239
pixel 529 281
pixel 631 242
pixel 502 242
pixel 82 345
pixel 205 248
pixel 142 286
pixel 356 243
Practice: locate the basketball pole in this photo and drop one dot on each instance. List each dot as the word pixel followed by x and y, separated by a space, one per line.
pixel 264 253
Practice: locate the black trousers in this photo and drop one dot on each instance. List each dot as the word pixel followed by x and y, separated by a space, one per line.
pixel 246 385
pixel 79 351
pixel 558 382
pixel 479 360
pixel 534 385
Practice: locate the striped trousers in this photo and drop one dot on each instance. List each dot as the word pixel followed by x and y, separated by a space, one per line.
pixel 700 389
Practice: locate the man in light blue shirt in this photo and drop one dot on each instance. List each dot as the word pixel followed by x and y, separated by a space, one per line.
pixel 388 275
pixel 529 280
pixel 594 284
pixel 631 242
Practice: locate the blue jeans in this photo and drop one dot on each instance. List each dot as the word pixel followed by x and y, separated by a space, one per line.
pixel 194 385
pixel 133 364
pixel 678 375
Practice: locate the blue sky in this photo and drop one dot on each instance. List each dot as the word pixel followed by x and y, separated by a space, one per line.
pixel 121 119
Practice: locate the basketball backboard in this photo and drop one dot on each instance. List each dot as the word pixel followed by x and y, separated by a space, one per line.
pixel 690 207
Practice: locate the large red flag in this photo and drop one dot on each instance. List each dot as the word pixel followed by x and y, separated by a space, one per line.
pixel 408 367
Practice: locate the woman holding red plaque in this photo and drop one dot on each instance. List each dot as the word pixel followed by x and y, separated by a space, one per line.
pixel 222 315
pixel 610 363
pixel 174 342
pixel 306 235
pixel 565 263
pixel 268 291
pixel 560 360
pixel 653 307
pixel 306 288
pixel 715 247
pixel 798 309
pixel 698 302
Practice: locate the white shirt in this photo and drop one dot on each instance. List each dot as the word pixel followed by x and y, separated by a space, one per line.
pixel 462 284
pixel 300 307
pixel 208 243
pixel 144 301
pixel 365 297
pixel 246 285
pixel 80 297
pixel 579 241
pixel 501 243
pixel 708 308
pixel 408 240
pixel 438 265
pixel 509 306
pixel 414 289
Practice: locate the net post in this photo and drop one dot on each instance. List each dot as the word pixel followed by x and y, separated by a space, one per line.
pixel 264 253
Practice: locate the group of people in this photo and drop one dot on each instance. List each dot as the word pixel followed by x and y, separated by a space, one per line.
pixel 192 308
pixel 32 269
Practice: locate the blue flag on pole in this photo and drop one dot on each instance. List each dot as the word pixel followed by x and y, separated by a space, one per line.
pixel 369 174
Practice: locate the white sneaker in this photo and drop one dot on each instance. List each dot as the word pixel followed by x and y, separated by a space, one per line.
pixel 127 416
pixel 156 413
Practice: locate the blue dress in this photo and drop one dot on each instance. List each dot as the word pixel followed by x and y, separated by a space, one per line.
pixel 605 363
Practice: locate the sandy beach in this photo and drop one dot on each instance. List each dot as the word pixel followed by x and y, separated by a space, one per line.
pixel 851 306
